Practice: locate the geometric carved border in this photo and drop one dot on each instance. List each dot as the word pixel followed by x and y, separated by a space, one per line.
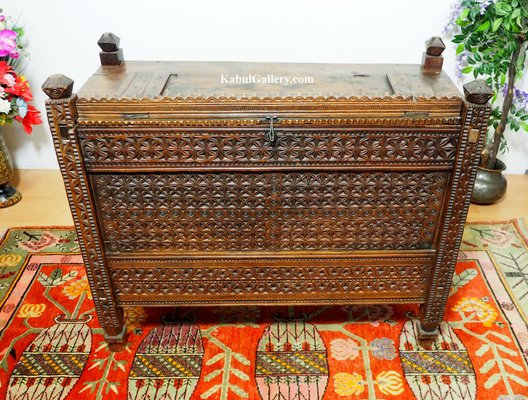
pixel 261 280
pixel 209 289
pixel 166 148
pixel 258 273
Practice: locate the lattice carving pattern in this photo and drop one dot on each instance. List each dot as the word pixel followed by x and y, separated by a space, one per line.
pixel 249 148
pixel 269 211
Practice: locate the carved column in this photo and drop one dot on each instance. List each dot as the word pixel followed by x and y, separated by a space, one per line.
pixel 476 112
pixel 62 117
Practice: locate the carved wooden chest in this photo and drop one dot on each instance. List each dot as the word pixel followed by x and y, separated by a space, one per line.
pixel 237 183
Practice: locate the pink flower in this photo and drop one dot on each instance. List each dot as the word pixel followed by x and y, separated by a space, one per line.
pixel 8 43
pixel 344 349
pixel 19 87
pixel 8 79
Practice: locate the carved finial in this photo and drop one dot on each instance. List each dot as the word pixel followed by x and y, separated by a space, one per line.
pixel 58 87
pixel 435 46
pixel 478 91
pixel 111 54
pixel 432 59
pixel 109 42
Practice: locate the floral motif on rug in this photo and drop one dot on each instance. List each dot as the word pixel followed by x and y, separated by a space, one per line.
pixel 51 345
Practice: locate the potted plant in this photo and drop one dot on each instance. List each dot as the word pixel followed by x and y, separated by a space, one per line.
pixel 492 42
pixel 15 98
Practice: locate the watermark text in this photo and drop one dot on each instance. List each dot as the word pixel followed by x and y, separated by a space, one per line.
pixel 268 79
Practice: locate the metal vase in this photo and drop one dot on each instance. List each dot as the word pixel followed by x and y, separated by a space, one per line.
pixel 490 184
pixel 8 194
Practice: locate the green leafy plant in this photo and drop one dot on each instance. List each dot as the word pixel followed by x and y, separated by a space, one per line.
pixel 492 42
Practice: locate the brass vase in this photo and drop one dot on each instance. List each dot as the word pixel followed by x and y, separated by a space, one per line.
pixel 8 194
pixel 490 184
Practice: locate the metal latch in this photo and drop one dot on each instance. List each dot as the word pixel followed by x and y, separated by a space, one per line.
pixel 271 136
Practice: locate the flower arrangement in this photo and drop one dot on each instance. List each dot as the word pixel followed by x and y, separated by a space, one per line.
pixel 15 94
pixel 492 41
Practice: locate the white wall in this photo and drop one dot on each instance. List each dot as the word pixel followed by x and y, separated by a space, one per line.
pixel 63 34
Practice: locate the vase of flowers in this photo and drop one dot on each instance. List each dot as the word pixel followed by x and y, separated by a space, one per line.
pixel 8 194
pixel 15 98
pixel 492 42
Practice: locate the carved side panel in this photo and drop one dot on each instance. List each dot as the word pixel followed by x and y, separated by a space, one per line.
pixel 269 211
pixel 475 117
pixel 62 116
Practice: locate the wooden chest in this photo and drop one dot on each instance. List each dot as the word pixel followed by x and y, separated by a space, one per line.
pixel 241 183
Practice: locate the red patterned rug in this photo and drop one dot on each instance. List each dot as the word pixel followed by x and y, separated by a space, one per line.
pixel 51 346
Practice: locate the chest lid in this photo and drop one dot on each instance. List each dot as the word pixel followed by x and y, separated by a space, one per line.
pixel 230 85
pixel 167 90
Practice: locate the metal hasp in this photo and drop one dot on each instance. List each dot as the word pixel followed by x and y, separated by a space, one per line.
pixel 271 136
